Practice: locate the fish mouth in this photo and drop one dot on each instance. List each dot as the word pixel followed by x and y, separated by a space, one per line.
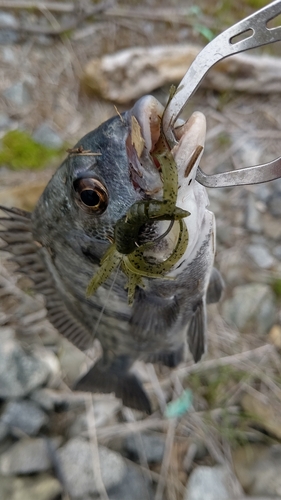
pixel 144 121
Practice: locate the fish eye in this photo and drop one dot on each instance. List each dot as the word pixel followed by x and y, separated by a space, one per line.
pixel 91 195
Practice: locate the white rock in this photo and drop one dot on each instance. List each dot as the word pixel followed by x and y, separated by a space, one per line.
pixel 23 417
pixel 18 94
pixel 20 372
pixel 77 459
pixel 252 306
pixel 27 456
pixel 212 483
pixel 260 255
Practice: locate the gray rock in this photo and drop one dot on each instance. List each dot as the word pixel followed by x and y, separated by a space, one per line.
pixel 50 399
pixel 250 152
pixel 41 487
pixel 45 135
pixel 9 55
pixel 20 372
pixel 274 204
pixel 260 255
pixel 77 459
pixel 252 215
pixel 4 121
pixel 263 192
pixel 135 486
pixel 277 186
pixel 8 21
pixel 104 409
pixel 18 94
pixel 27 456
pixel 277 252
pixel 4 431
pixel 212 483
pixel 258 469
pixel 271 226
pixel 151 446
pixel 24 416
pixel 251 307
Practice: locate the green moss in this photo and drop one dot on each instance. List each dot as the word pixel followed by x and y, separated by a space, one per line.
pixel 223 140
pixel 215 386
pixel 276 287
pixel 18 151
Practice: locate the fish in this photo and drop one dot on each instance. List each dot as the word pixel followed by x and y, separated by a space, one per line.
pixel 61 244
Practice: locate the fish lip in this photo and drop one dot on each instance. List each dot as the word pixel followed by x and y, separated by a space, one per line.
pixel 144 122
pixel 188 151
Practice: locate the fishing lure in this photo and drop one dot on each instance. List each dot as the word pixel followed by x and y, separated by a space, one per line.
pixel 125 250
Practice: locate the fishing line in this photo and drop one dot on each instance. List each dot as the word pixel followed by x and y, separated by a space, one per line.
pixel 106 299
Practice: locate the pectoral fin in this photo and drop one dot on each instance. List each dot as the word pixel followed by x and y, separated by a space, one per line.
pixel 115 378
pixel 196 334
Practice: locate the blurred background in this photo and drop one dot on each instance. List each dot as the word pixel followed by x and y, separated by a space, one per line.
pixel 62 74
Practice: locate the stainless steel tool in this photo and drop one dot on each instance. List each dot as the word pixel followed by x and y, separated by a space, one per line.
pixel 256 33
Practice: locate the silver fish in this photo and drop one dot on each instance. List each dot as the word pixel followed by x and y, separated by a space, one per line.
pixel 60 244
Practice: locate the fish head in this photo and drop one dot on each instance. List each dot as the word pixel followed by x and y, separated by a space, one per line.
pixel 107 171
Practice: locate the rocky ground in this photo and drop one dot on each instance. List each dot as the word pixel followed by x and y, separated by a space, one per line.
pixel 220 437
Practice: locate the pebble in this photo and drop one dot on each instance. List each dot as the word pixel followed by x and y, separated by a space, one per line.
pixel 46 136
pixel 18 94
pixel 135 486
pixel 24 416
pixel 151 446
pixel 40 487
pixel 251 307
pixel 261 256
pixel 20 372
pixel 77 458
pixel 212 483
pixel 27 456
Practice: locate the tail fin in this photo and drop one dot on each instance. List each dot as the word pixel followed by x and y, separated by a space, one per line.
pixel 125 385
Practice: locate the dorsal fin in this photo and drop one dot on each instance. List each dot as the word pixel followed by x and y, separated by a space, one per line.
pixel 16 232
